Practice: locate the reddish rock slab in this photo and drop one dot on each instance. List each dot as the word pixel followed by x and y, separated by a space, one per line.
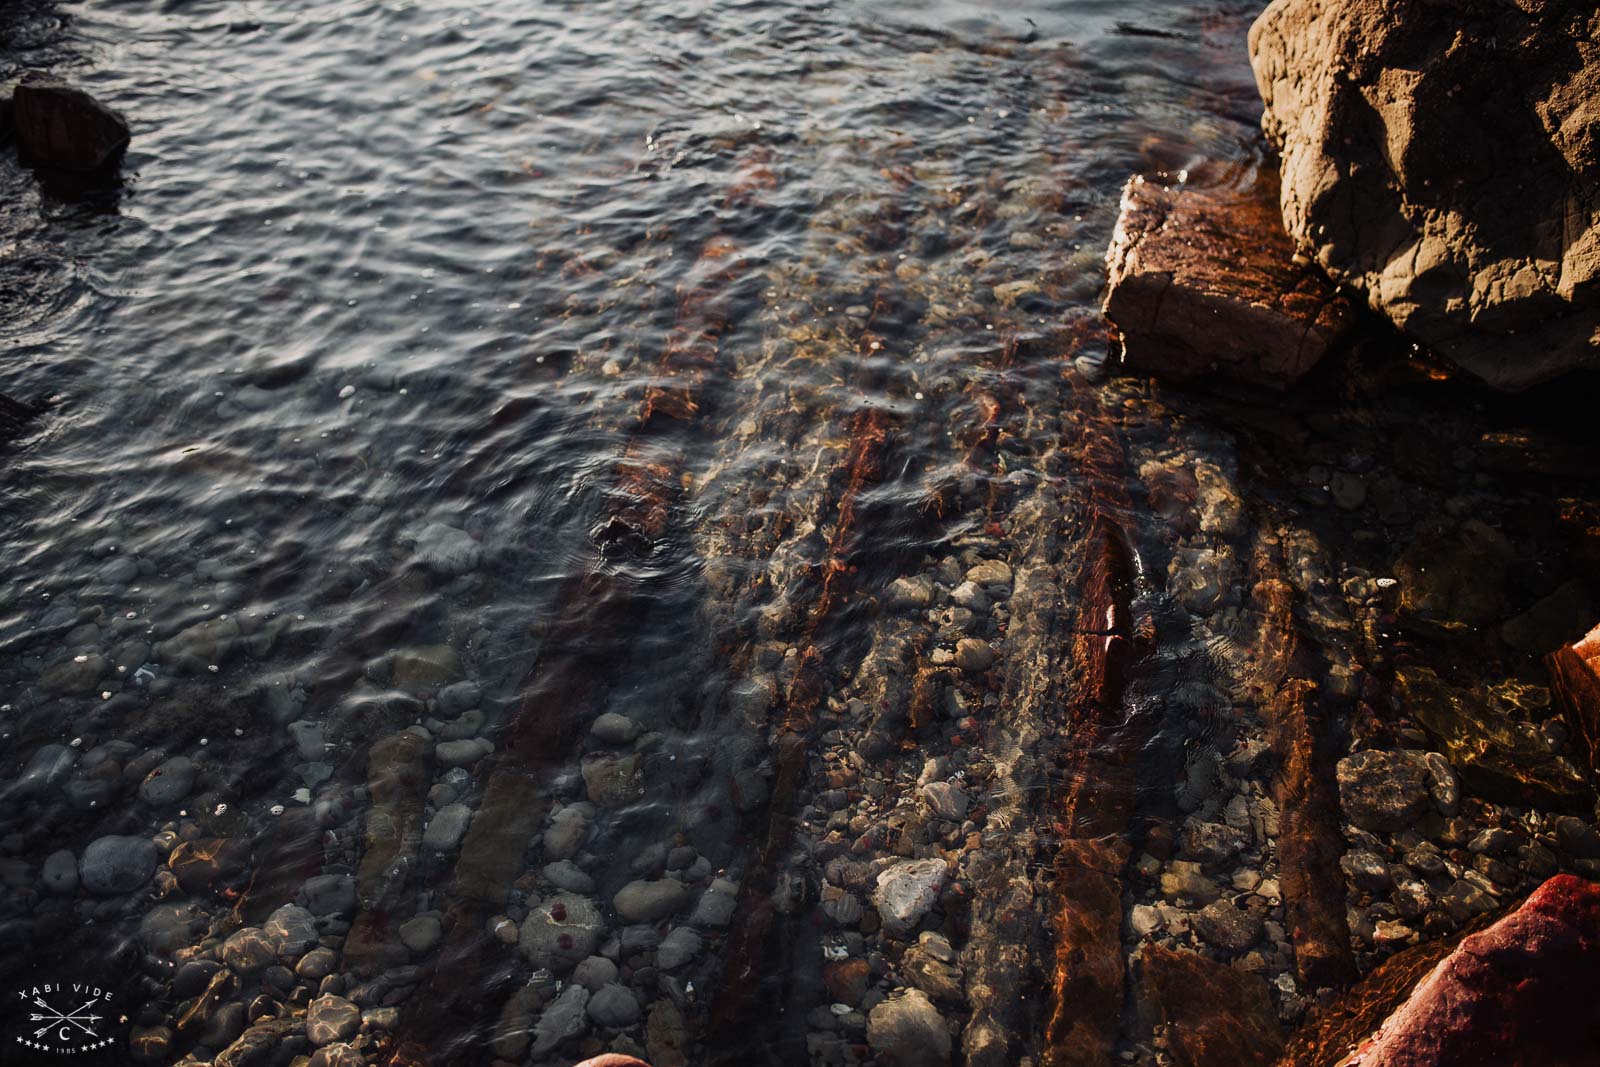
pixel 1575 683
pixel 1214 1016
pixel 1517 994
pixel 1202 281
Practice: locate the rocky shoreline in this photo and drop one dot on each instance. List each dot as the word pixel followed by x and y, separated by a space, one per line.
pixel 1183 729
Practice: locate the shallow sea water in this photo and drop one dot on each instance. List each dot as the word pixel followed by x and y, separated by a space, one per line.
pixel 525 346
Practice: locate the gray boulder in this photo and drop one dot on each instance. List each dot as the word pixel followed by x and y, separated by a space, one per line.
pixel 1444 159
pixel 59 126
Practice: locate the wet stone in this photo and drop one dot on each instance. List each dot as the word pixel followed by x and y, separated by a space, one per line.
pixel 317 964
pixel 446 550
pixel 974 655
pixel 421 934
pixel 1210 842
pixel 114 865
pixel 1229 928
pixel 338 1054
pixel 447 827
pixel 906 1030
pixel 293 929
pixel 946 800
pixel 564 874
pixel 564 1019
pixel 1367 870
pixel 910 593
pixel 59 873
pixel 457 698
pixel 462 753
pixel 1185 880
pixel 248 950
pixel 614 1006
pixel 614 729
pixel 680 946
pixel 562 931
pixel 569 828
pixel 594 972
pixel 330 1019
pixel 169 783
pixel 330 894
pixel 906 891
pixel 612 781
pixel 716 905
pixel 1382 791
pixel 649 901
pixel 46 769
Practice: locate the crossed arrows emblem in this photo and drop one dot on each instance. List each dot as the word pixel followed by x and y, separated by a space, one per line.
pixel 79 1018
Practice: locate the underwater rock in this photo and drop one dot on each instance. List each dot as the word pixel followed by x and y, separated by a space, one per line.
pixel 1202 281
pixel 1518 992
pixel 1492 756
pixel 906 891
pixel 1215 1016
pixel 906 1030
pixel 57 125
pixel 1394 124
pixel 114 865
pixel 1575 685
pixel 1383 791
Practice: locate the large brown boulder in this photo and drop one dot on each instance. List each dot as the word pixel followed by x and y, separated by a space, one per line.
pixel 1202 281
pixel 57 125
pixel 1445 159
pixel 1518 993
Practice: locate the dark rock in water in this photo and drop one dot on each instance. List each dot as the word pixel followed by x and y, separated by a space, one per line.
pixel 1518 992
pixel 15 417
pixel 1575 684
pixel 1215 1016
pixel 56 125
pixel 1383 791
pixel 114 865
pixel 1202 281
pixel 1493 756
pixel 1396 123
pixel 209 864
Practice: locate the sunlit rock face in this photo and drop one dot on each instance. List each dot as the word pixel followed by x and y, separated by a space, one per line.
pixel 1514 993
pixel 1445 161
pixel 1202 281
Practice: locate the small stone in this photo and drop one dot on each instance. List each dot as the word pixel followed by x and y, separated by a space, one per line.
pixel 644 901
pixel 1183 879
pixel 906 1030
pixel 1229 928
pixel 292 929
pixel 421 934
pixel 562 931
pixel 456 698
pixel 910 593
pixel 1144 920
pixel 846 980
pixel 46 769
pixel 317 964
pixel 974 655
pixel 749 790
pixel 59 874
pixel 614 1006
pixel 115 864
pixel 905 892
pixel 614 729
pixel 330 1019
pixel 680 946
pixel 564 1019
pixel 462 753
pixel 564 874
pixel 1382 791
pixel 169 783
pixel 613 781
pixel 338 1054
pixel 1442 783
pixel 446 550
pixel 1367 870
pixel 594 972
pixel 946 800
pixel 1211 842
pixel 248 950
pixel 569 829
pixel 990 574
pixel 716 905
pixel 447 827
pixel 328 895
